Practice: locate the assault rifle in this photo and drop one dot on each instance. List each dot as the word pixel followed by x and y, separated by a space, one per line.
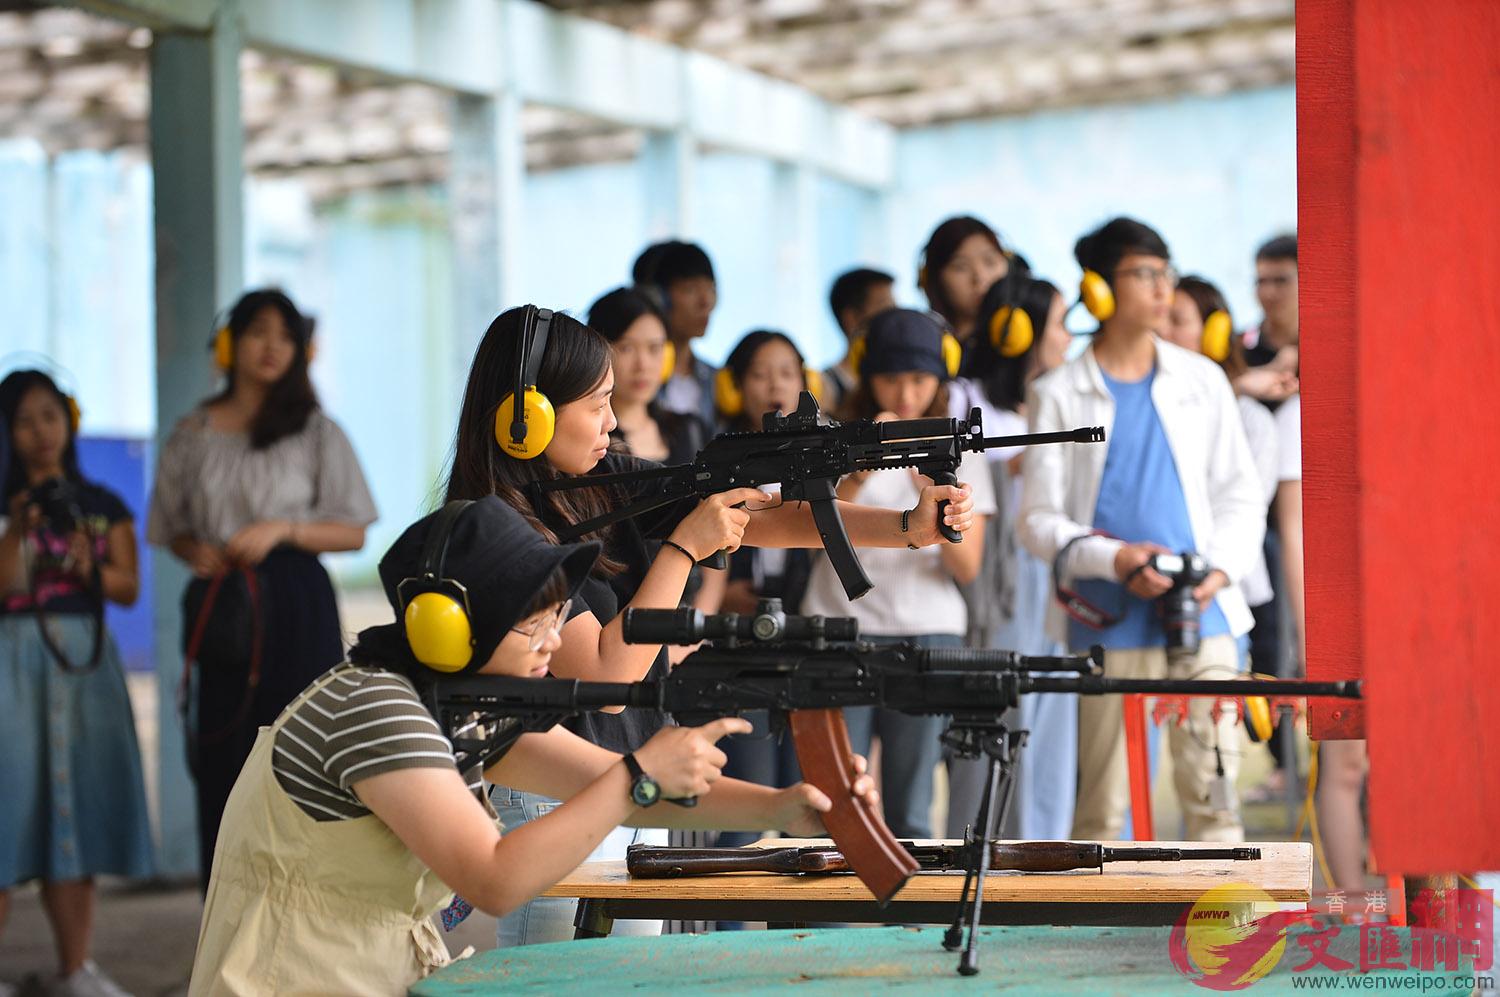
pixel 655 862
pixel 805 682
pixel 808 455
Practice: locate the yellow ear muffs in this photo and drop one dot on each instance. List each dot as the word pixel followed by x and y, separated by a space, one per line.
pixel 1216 336
pixel 856 354
pixel 668 361
pixel 1096 296
pixel 541 423
pixel 1011 331
pixel 75 414
pixel 438 630
pixel 224 349
pixel 1258 721
pixel 814 381
pixel 953 354
pixel 727 395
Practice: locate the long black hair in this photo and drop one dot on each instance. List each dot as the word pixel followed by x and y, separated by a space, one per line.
pixel 292 399
pixel 612 316
pixel 1004 378
pixel 16 386
pixel 576 360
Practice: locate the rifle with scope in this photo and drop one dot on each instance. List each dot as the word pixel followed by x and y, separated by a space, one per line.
pixel 808 455
pixel 804 670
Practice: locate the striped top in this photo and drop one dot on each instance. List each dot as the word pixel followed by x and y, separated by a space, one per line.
pixel 363 722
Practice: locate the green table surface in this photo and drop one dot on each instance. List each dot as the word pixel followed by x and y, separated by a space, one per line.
pixel 1017 960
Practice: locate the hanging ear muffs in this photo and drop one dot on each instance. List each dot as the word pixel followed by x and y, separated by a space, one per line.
pixel 728 398
pixel 668 361
pixel 953 354
pixel 814 381
pixel 1095 294
pixel 1259 722
pixel 524 431
pixel 1217 333
pixel 856 354
pixel 435 609
pixel 1011 331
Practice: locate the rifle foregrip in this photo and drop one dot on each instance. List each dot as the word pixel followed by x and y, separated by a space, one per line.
pixel 827 761
pixel 718 559
pixel 649 862
pixel 1045 856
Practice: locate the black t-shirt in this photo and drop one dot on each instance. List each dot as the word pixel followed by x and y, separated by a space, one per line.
pixel 632 543
pixel 58 588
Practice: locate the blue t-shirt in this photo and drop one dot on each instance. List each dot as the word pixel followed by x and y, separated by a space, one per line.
pixel 1140 499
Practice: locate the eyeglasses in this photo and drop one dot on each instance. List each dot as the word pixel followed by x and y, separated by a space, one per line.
pixel 1151 275
pixel 548 625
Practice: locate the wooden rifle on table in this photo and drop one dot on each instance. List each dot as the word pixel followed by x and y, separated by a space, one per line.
pixel 804 670
pixel 808 455
pixel 656 862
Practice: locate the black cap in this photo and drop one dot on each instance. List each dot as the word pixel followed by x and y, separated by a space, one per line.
pixel 901 340
pixel 497 556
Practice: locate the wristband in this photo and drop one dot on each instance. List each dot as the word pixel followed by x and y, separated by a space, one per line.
pixel 679 547
pixel 905 527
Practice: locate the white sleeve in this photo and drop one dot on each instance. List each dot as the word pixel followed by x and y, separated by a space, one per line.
pixel 1260 431
pixel 1289 439
pixel 1234 490
pixel 1043 523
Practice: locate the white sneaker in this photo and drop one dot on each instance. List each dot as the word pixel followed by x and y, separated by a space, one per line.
pixel 88 981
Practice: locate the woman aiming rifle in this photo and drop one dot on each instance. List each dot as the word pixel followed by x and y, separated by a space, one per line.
pixel 351 824
pixel 569 366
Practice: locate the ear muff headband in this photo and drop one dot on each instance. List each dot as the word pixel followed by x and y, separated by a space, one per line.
pixel 436 610
pixel 1095 293
pixel 1216 336
pixel 524 434
pixel 668 361
pixel 1011 331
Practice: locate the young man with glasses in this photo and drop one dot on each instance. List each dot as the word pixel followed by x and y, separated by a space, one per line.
pixel 1175 475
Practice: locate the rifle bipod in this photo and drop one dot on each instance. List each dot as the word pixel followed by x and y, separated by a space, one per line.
pixel 1001 746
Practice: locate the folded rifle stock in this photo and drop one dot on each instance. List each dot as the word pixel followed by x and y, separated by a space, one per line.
pixel 652 862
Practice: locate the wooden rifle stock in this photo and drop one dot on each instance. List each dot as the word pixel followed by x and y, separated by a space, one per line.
pixel 827 761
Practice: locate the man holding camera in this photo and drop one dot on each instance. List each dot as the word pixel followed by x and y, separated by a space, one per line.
pixel 1175 477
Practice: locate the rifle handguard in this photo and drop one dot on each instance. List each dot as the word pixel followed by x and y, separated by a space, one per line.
pixel 827 761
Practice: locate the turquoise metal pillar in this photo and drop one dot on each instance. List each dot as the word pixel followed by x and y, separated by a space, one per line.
pixel 196 150
pixel 667 163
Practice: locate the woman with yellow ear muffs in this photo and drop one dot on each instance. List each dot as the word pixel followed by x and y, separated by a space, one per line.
pixel 355 820
pixel 1020 336
pixel 906 371
pixel 564 369
pixel 250 488
pixel 764 373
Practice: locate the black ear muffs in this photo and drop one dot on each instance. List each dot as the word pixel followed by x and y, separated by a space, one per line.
pixel 434 608
pixel 524 430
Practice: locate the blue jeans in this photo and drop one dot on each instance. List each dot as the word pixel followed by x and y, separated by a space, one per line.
pixel 909 750
pixel 550 919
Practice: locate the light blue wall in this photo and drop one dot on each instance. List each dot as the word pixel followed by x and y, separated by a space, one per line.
pixel 1215 175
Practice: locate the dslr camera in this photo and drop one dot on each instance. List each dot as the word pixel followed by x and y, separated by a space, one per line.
pixel 57 498
pixel 1179 610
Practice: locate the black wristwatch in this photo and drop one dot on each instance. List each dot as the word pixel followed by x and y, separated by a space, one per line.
pixel 644 790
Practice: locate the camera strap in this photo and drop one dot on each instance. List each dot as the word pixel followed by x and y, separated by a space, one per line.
pixel 197 737
pixel 1075 605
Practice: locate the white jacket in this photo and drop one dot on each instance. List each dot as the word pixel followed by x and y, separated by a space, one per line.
pixel 1060 486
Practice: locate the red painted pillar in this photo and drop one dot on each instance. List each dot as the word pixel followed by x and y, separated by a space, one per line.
pixel 1398 121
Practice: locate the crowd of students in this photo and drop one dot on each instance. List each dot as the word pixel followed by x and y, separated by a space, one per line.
pixel 309 778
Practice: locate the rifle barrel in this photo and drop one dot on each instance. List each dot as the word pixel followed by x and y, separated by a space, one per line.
pixel 1088 434
pixel 1100 685
pixel 1238 854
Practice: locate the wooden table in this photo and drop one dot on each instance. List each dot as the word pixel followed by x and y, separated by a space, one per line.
pixel 1126 893
pixel 1020 960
